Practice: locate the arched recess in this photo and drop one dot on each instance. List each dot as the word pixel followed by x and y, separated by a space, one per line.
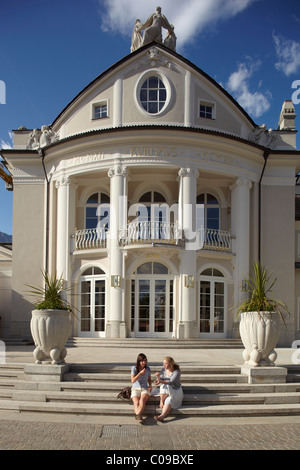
pixel 212 305
pixel 152 300
pixel 92 301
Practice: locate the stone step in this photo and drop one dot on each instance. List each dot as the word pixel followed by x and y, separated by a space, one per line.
pixel 196 399
pixel 13 371
pixel 114 388
pixel 154 343
pixel 234 410
pixel 208 391
pixel 17 341
pixel 125 369
pixel 121 378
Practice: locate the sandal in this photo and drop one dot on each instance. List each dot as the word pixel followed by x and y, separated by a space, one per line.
pixel 158 418
pixel 139 419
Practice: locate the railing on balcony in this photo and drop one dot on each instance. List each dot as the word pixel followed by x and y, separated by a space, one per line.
pixel 151 232
pixel 90 238
pixel 218 240
pixel 141 233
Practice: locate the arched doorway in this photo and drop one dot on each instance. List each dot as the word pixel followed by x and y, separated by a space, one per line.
pixel 152 301
pixel 212 304
pixel 92 301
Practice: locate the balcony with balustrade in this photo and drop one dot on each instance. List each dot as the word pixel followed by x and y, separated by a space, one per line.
pixel 154 233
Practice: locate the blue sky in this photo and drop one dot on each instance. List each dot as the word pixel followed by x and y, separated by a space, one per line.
pixel 50 50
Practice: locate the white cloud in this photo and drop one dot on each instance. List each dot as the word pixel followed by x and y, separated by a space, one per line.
pixel 255 103
pixel 288 55
pixel 190 17
pixel 4 144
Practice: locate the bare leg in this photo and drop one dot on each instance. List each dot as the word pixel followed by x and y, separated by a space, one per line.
pixel 165 411
pixel 163 396
pixel 143 401
pixel 136 404
pixel 139 403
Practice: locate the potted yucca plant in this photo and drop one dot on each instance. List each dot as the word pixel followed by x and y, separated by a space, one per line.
pixel 51 320
pixel 260 318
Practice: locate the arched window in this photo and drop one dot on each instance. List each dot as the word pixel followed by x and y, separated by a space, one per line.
pixel 152 221
pixel 152 268
pixel 208 212
pixel 97 211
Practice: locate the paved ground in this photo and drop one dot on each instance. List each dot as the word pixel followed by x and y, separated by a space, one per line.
pixel 53 432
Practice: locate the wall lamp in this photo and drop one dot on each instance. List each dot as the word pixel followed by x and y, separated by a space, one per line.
pixel 115 280
pixel 189 281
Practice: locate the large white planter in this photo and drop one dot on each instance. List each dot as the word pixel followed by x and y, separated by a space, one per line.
pixel 259 332
pixel 50 330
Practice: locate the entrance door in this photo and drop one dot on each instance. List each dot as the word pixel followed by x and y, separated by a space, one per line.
pixel 92 305
pixel 212 304
pixel 152 306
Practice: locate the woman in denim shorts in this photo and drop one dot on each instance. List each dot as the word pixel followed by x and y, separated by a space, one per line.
pixel 141 386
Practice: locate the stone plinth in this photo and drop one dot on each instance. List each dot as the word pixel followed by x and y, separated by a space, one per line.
pixel 264 375
pixel 45 372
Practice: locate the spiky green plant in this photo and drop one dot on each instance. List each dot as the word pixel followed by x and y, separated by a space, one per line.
pixel 257 293
pixel 49 296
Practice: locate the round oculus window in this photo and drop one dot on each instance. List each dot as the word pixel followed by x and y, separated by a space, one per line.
pixel 153 95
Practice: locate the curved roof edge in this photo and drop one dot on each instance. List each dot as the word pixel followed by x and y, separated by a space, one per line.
pixel 157 127
pixel 169 51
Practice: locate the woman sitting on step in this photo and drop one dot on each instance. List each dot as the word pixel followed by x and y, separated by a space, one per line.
pixel 171 394
pixel 141 385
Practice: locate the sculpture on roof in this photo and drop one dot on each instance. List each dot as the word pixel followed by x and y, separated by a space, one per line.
pixel 41 137
pixel 263 136
pixel 137 38
pixel 153 31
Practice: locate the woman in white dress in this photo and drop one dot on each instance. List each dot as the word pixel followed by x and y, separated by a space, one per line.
pixel 171 394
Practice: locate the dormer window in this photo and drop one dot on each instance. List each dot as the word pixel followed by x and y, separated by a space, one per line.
pixel 207 110
pixel 100 110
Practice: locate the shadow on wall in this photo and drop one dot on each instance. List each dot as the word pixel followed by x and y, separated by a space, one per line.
pixel 21 310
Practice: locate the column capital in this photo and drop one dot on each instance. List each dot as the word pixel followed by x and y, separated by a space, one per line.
pixel 239 182
pixel 192 172
pixel 117 170
pixel 63 181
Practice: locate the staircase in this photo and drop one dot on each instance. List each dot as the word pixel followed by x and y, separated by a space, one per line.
pixel 92 389
pixel 156 343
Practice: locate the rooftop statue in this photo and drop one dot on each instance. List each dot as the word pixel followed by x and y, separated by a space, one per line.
pixel 153 31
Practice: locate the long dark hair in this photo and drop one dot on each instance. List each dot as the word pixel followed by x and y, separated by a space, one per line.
pixel 141 357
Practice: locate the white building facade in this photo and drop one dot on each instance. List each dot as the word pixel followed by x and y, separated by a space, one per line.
pixel 152 193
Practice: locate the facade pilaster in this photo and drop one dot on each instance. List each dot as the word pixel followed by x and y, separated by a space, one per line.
pixel 118 211
pixel 65 222
pixel 118 103
pixel 187 327
pixel 240 231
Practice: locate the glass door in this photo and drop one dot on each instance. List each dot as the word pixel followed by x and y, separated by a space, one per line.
pixel 212 308
pixel 92 307
pixel 153 309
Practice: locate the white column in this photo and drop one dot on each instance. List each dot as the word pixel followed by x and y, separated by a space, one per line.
pixel 118 211
pixel 188 315
pixel 240 231
pixel 65 216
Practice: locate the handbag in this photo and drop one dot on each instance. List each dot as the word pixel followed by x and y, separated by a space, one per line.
pixel 125 394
